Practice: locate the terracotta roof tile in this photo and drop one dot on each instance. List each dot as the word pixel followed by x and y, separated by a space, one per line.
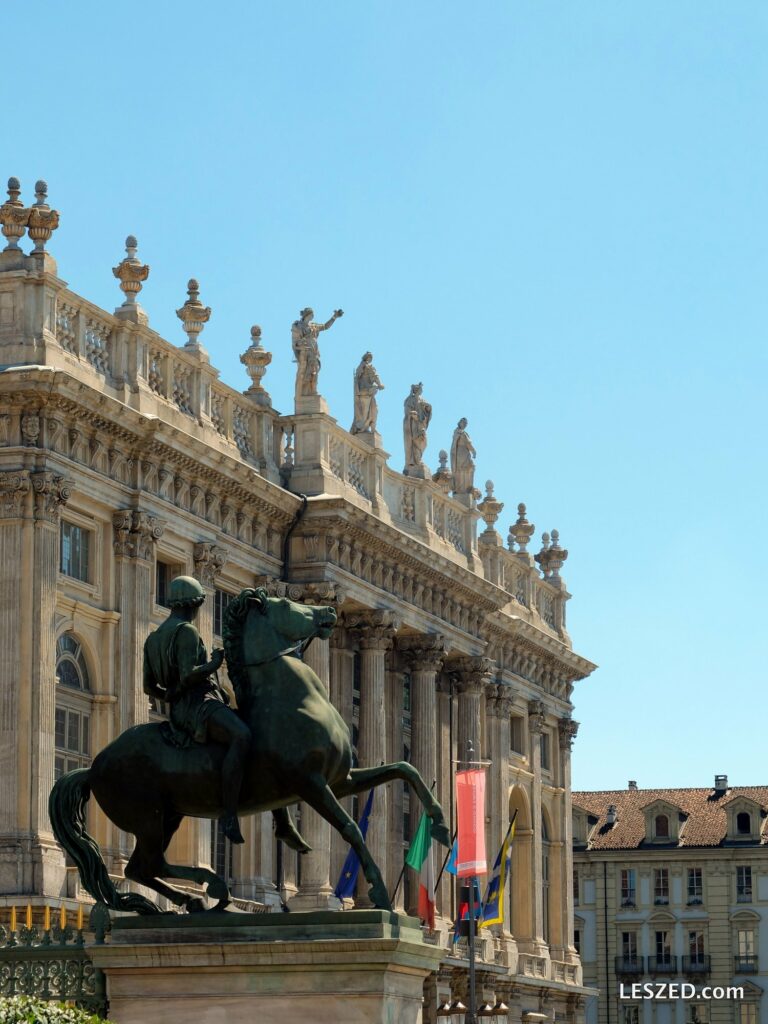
pixel 705 820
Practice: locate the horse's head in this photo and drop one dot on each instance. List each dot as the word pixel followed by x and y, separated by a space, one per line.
pixel 294 622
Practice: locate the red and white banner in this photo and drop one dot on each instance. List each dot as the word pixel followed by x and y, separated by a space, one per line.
pixel 470 810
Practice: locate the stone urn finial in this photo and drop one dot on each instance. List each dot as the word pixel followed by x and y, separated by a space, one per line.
pixel 131 273
pixel 194 316
pixel 490 508
pixel 542 557
pixel 557 556
pixel 443 477
pixel 256 359
pixel 520 533
pixel 43 221
pixel 14 216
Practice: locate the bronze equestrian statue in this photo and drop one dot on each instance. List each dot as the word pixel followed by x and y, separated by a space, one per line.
pixel 299 749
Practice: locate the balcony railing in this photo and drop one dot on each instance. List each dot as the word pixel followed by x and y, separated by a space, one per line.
pixel 662 964
pixel 634 965
pixel 696 964
pixel 743 895
pixel 745 963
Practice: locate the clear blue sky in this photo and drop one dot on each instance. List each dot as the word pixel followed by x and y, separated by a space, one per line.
pixel 554 214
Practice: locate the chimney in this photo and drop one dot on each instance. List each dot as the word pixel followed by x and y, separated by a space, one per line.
pixel 721 783
pixel 632 785
pixel 611 816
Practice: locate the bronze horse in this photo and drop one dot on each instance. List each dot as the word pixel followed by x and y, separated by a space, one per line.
pixel 300 751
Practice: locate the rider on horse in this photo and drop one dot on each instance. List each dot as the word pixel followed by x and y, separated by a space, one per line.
pixel 177 670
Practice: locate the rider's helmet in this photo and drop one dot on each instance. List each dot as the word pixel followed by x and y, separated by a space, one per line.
pixel 185 592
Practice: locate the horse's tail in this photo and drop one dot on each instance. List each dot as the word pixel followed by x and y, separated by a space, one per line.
pixel 66 809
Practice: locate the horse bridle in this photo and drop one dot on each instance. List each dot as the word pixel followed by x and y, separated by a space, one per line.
pixel 297 650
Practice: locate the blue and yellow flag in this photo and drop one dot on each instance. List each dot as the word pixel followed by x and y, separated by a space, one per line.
pixel 493 904
pixel 347 883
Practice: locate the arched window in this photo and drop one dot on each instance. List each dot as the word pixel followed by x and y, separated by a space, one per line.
pixel 661 826
pixel 744 823
pixel 73 718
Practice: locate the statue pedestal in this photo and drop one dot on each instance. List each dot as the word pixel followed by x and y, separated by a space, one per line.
pixel 352 967
pixel 310 404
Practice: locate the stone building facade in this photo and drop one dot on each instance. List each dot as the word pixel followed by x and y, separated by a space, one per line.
pixel 125 461
pixel 672 886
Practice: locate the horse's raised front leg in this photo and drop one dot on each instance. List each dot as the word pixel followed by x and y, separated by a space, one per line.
pixel 360 779
pixel 318 794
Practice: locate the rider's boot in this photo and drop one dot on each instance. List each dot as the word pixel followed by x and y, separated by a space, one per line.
pixel 230 826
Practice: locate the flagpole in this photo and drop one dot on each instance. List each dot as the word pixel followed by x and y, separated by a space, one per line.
pixel 445 862
pixel 402 869
pixel 470 1017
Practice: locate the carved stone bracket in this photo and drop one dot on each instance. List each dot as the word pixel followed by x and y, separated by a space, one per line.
pixel 14 486
pixel 210 559
pixel 373 630
pixel 536 715
pixel 500 700
pixel 423 653
pixel 567 729
pixel 136 533
pixel 474 673
pixel 50 493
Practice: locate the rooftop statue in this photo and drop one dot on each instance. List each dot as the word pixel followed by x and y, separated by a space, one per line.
pixel 462 460
pixel 304 334
pixel 367 384
pixel 418 413
pixel 285 743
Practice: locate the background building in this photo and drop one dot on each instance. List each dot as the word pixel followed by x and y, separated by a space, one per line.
pixel 124 461
pixel 672 885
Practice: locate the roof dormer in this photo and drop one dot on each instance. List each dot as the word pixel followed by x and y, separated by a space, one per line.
pixel 745 819
pixel 663 822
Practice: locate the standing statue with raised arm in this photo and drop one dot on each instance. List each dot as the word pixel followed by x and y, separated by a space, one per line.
pixel 367 384
pixel 462 460
pixel 418 413
pixel 304 334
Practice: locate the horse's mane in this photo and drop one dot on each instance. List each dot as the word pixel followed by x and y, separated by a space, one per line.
pixel 232 632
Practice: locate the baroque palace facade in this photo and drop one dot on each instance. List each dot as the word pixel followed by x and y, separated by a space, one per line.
pixel 125 461
pixel 672 886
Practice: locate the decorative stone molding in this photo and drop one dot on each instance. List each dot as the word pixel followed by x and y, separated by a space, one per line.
pixel 423 653
pixel 14 486
pixel 373 630
pixel 473 673
pixel 500 704
pixel 320 593
pixel 209 560
pixel 30 429
pixel 536 715
pixel 50 493
pixel 135 533
pixel 567 729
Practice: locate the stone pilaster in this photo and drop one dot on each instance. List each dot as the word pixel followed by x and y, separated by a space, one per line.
pixel 374 632
pixel 316 889
pixel 342 668
pixel 394 752
pixel 473 675
pixel 135 536
pixel 567 730
pixel 535 729
pixel 498 705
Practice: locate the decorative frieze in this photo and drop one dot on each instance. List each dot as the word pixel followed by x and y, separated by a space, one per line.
pixel 136 533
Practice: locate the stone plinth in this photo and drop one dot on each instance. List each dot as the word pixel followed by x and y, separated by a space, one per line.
pixel 356 967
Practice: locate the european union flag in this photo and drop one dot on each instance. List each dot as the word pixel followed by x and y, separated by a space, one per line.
pixel 450 866
pixel 347 882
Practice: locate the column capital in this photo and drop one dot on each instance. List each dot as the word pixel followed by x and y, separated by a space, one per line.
pixel 14 485
pixel 374 630
pixel 423 653
pixel 567 729
pixel 50 493
pixel 321 592
pixel 209 559
pixel 136 533
pixel 536 714
pixel 499 700
pixel 474 672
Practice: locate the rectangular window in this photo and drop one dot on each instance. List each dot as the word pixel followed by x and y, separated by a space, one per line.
pixel 221 852
pixel 516 734
pixel 663 947
pixel 695 885
pixel 575 887
pixel 577 941
pixel 746 941
pixel 545 752
pixel 221 601
pixel 406 700
pixel 72 741
pixel 629 946
pixel 696 946
pixel 661 886
pixel 748 1013
pixel 75 544
pixel 744 884
pixel 630 1015
pixel 163 577
pixel 628 889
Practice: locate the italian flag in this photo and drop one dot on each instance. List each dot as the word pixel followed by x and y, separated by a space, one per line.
pixel 420 859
